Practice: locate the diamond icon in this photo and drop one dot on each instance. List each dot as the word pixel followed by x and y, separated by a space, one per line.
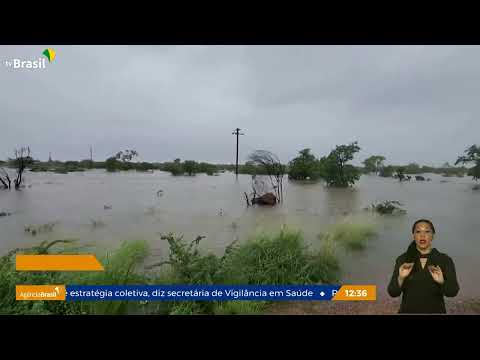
pixel 322 293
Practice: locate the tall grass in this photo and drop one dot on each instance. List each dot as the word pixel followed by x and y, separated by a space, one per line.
pixel 267 259
pixel 279 259
pixel 121 268
pixel 353 236
pixel 240 307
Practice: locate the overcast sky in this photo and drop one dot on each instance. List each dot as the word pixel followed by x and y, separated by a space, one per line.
pixel 408 103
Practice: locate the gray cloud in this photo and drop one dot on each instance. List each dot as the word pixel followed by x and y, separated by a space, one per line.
pixel 409 103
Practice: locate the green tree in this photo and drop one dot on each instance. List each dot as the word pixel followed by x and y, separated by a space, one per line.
pixel 387 171
pixel 175 167
pixel 334 168
pixel 304 166
pixel 126 155
pixel 374 163
pixel 401 173
pixel 112 164
pixel 206 168
pixel 190 167
pixel 473 156
pixel 412 168
pixel 125 158
pixel 86 164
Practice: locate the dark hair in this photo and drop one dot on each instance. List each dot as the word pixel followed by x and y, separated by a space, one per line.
pixel 425 221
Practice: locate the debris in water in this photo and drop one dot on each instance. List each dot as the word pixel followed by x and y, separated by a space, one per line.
pixel 387 207
pixel 34 229
pixel 107 207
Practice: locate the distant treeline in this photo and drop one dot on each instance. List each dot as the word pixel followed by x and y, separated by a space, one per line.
pixel 190 167
pixel 412 169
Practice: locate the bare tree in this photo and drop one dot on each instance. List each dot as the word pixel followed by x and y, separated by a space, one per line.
pixel 22 159
pixel 274 169
pixel 5 179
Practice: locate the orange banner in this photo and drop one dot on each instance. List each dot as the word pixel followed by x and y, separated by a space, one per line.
pixel 356 293
pixel 57 263
pixel 40 292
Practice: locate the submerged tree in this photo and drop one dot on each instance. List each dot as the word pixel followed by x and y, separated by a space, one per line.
pixel 374 164
pixel 473 156
pixel 400 173
pixel 20 163
pixel 386 171
pixel 304 166
pixel 22 160
pixel 271 166
pixel 334 167
pixel 126 155
pixel 190 167
pixel 121 160
pixel 5 179
pixel 175 167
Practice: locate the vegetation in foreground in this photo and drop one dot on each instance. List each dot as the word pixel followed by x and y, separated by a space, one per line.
pixel 265 259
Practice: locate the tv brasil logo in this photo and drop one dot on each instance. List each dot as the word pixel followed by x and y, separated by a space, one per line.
pixel 41 63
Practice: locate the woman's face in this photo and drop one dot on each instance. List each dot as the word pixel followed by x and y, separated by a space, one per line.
pixel 423 236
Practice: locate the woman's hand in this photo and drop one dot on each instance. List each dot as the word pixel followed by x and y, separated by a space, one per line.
pixel 436 273
pixel 405 270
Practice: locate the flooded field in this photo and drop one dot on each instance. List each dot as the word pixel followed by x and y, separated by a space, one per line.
pixel 104 209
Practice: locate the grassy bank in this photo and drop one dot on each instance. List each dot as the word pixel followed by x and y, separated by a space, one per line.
pixel 280 258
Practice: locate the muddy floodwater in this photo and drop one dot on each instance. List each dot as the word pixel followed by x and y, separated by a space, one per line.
pixel 128 206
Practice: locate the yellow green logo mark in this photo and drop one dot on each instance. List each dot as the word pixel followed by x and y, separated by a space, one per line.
pixel 50 54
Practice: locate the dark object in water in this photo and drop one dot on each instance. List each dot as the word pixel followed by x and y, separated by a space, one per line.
pixel 107 207
pixel 34 229
pixel 4 213
pixel 387 207
pixel 159 193
pixel 265 199
pixel 419 178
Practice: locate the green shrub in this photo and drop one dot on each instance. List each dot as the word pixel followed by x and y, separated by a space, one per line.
pixel 354 236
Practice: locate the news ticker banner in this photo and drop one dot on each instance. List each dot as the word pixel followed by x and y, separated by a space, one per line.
pixel 89 262
pixel 196 292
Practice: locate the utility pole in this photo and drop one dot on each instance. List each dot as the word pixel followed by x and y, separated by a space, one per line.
pixel 237 132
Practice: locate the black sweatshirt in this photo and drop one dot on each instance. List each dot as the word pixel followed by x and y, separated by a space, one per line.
pixel 421 294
